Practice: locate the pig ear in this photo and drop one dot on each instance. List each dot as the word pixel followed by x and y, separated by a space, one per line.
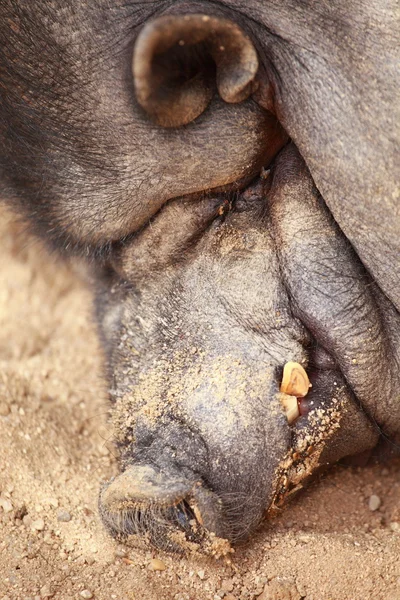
pixel 178 60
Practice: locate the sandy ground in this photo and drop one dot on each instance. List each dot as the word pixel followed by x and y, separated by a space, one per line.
pixel 55 451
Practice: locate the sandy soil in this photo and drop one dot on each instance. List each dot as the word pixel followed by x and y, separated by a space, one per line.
pixel 55 451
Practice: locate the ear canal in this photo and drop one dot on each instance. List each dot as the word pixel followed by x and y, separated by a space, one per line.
pixel 179 59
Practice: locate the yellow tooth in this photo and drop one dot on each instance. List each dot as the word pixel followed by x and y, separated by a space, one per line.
pixel 295 380
pixel 290 406
pixel 197 514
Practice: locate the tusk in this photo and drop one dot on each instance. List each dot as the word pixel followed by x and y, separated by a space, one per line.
pixel 291 407
pixel 295 380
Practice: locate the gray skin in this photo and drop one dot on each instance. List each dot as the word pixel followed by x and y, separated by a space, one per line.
pixel 130 137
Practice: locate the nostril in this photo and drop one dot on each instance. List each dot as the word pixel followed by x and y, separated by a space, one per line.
pixel 184 515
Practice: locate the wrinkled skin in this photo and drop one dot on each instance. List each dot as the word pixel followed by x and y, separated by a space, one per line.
pixel 210 277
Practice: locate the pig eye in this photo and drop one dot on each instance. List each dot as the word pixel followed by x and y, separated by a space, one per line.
pixel 179 60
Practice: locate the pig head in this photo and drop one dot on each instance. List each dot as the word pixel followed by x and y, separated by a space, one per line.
pixel 229 171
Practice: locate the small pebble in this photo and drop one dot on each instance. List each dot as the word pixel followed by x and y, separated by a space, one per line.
pixel 6 505
pixel 46 591
pixel 86 594
pixel 120 552
pixel 4 409
pixel 37 525
pixel 201 574
pixel 103 450
pixel 27 520
pixel 281 590
pixel 157 565
pixel 227 585
pixel 394 526
pixel 374 502
pixel 64 516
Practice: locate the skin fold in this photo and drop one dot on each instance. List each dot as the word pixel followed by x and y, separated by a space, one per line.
pixel 229 172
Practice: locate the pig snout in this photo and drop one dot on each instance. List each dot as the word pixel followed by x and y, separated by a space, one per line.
pixel 201 459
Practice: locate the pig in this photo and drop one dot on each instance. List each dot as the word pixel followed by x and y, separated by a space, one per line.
pixel 227 170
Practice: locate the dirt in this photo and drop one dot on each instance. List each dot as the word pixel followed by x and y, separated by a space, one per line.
pixel 55 451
